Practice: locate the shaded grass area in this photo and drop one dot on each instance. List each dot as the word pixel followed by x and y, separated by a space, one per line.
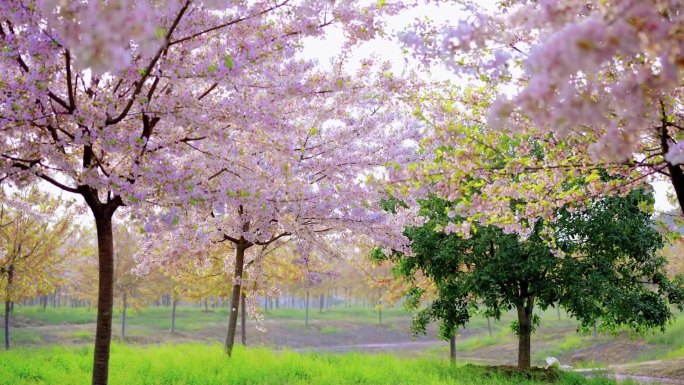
pixel 668 344
pixel 207 365
pixel 562 345
pixel 22 337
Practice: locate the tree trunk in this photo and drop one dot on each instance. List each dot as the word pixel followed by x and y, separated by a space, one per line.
pixel 596 324
pixel 380 311
pixel 306 313
pixel 206 305
pixel 235 295
pixel 173 316
pixel 321 302
pixel 8 299
pixel 558 311
pixel 489 327
pixel 525 336
pixel 243 319
pixel 675 170
pixel 123 319
pixel 452 348
pixel 105 296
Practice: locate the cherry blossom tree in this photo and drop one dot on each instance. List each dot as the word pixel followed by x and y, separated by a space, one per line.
pixel 318 185
pixel 115 114
pixel 607 73
pixel 498 177
pixel 35 229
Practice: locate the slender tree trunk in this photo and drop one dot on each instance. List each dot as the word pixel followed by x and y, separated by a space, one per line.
pixel 596 324
pixel 489 327
pixel 558 311
pixel 206 305
pixel 306 313
pixel 173 315
pixel 452 348
pixel 8 299
pixel 105 295
pixel 235 295
pixel 321 302
pixel 7 325
pixel 243 319
pixel 525 336
pixel 123 318
pixel 380 311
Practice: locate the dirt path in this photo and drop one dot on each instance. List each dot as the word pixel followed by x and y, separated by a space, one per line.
pixel 378 347
pixel 600 372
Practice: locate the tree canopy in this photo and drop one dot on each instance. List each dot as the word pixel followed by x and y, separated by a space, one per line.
pixel 604 265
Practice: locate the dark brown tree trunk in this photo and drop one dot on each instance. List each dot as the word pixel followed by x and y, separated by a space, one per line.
pixel 243 319
pixel 8 300
pixel 173 316
pixel 452 348
pixel 105 296
pixel 525 336
pixel 677 178
pixel 675 171
pixel 235 295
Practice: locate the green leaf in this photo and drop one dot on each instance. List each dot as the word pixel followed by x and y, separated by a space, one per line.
pixel 228 61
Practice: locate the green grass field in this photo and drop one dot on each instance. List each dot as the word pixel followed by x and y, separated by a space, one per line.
pixel 193 316
pixel 207 365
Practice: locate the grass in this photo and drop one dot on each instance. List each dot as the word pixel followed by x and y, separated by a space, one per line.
pixel 22 337
pixel 82 336
pixel 669 344
pixel 501 337
pixel 192 364
pixel 327 330
pixel 194 317
pixel 568 343
pixel 355 314
pixel 56 316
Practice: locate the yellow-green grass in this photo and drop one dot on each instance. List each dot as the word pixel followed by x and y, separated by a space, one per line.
pixel 191 364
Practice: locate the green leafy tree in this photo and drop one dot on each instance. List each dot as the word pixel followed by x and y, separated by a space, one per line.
pixel 603 264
